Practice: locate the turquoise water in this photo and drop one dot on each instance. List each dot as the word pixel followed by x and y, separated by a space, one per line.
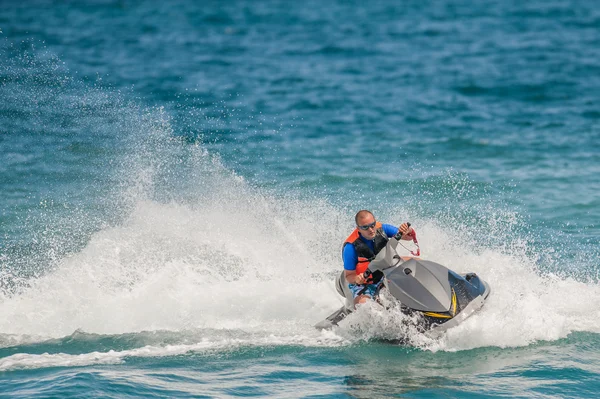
pixel 176 181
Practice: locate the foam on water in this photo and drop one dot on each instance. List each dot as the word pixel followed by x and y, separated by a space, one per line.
pixel 171 267
pixel 246 261
pixel 203 345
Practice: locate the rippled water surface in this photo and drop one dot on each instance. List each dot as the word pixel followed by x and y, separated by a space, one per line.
pixel 176 180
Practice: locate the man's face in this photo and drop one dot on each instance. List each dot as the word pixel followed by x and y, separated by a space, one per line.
pixel 367 221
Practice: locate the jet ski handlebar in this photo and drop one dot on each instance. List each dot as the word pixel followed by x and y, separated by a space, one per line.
pixel 399 233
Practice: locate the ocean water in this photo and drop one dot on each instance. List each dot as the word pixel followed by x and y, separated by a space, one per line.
pixel 176 180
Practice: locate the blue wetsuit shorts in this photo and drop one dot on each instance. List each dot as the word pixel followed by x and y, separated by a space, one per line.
pixel 371 290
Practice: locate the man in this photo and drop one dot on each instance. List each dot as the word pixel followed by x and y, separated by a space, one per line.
pixel 360 248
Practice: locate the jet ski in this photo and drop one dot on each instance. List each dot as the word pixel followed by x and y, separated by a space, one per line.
pixel 438 296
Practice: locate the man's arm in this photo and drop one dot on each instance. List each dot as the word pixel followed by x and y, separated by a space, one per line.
pixel 391 231
pixel 350 262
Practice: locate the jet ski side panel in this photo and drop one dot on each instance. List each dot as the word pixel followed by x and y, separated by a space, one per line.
pixel 468 309
pixel 341 286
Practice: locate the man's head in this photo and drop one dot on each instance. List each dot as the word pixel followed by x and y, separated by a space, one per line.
pixel 365 223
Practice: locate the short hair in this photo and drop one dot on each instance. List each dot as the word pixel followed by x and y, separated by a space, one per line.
pixel 361 213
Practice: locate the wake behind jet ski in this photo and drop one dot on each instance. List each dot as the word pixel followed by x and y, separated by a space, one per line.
pixel 441 297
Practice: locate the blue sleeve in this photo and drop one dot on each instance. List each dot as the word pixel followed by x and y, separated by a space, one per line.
pixel 349 256
pixel 390 230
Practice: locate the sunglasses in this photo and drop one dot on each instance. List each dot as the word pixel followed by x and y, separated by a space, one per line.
pixel 367 226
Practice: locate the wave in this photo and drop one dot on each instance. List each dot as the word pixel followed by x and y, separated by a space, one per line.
pixel 262 268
